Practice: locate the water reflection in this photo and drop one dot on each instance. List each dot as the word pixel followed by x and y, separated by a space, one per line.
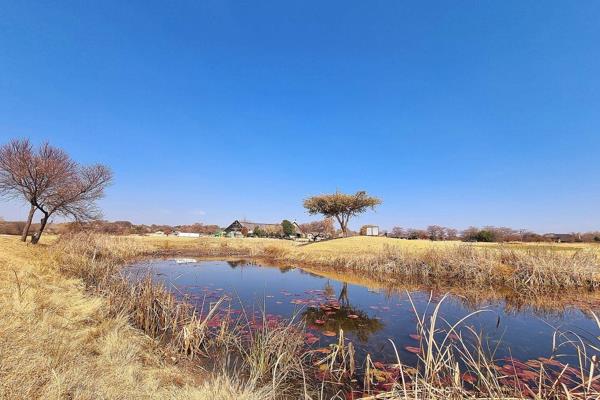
pixel 371 313
pixel 333 316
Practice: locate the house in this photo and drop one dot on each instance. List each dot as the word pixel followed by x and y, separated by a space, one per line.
pixel 248 228
pixel 299 232
pixel 562 237
pixel 369 230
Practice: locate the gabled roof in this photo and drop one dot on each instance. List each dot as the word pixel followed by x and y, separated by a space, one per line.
pixel 252 225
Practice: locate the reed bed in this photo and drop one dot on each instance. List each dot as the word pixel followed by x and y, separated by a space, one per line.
pixel 268 355
pixel 456 362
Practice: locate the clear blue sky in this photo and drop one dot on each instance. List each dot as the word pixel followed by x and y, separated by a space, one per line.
pixel 456 113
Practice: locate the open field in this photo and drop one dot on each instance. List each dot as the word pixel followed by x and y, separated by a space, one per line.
pixel 357 245
pixel 71 328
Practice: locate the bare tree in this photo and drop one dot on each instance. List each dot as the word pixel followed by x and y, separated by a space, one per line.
pixel 341 206
pixel 319 229
pixel 31 175
pixel 436 232
pixel 451 234
pixel 76 197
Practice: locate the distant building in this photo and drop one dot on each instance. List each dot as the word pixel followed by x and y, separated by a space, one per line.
pixel 240 226
pixel 562 237
pixel 187 234
pixel 248 228
pixel 369 230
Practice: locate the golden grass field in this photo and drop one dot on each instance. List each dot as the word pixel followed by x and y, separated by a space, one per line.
pixel 357 245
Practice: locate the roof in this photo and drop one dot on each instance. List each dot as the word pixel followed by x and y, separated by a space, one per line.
pixel 252 225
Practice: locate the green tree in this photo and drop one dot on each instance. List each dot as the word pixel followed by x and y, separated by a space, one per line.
pixel 288 228
pixel 259 232
pixel 485 236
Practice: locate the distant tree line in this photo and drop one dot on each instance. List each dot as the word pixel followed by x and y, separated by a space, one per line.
pixel 491 234
pixel 128 228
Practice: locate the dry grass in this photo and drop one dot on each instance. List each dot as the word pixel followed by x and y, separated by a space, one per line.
pixel 57 342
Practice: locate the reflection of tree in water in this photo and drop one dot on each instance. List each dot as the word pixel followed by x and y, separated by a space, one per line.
pixel 236 263
pixel 286 269
pixel 362 327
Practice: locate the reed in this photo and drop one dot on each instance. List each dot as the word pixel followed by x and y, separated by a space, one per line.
pixel 455 362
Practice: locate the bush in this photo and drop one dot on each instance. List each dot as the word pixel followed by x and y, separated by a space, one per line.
pixel 485 236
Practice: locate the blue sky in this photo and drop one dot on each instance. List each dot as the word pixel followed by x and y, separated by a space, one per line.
pixel 455 113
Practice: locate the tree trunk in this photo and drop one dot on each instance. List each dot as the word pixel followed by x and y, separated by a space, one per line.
pixel 344 226
pixel 28 224
pixel 343 299
pixel 36 237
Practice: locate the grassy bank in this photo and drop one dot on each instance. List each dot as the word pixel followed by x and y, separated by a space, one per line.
pixel 59 341
pixel 73 328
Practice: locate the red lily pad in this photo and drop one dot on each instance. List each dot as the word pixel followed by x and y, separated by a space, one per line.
pixel 411 349
pixel 329 333
pixel 311 340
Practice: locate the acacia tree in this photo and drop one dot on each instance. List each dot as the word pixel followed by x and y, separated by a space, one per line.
pixel 31 175
pixel 75 198
pixel 341 206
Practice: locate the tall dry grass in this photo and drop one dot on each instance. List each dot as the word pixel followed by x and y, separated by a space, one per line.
pixel 59 342
pixel 268 357
pixel 456 362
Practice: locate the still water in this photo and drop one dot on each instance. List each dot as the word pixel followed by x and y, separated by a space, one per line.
pixel 370 318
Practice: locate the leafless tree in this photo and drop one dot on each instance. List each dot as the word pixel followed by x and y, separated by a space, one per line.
pixel 76 197
pixel 398 232
pixel 319 229
pixel 436 232
pixel 31 175
pixel 451 234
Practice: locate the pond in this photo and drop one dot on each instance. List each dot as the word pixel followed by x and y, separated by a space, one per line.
pixel 370 318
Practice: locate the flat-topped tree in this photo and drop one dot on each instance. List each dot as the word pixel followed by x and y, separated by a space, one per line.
pixel 341 206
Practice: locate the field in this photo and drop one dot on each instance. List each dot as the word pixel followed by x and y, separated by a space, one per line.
pixel 72 329
pixel 358 245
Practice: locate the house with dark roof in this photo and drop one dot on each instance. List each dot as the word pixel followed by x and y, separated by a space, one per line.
pixel 562 237
pixel 248 228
